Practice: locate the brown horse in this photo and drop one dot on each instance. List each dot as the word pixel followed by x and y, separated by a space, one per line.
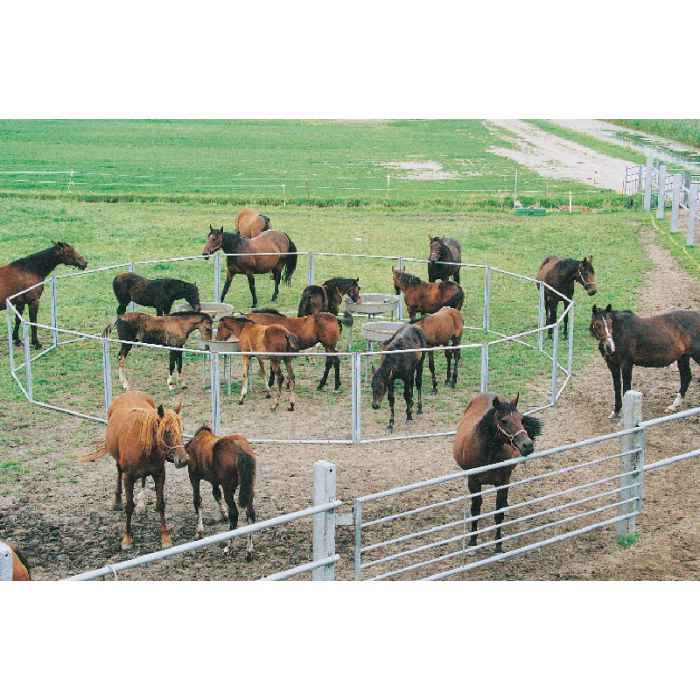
pixel 141 439
pixel 562 274
pixel 315 328
pixel 492 430
pixel 329 295
pixel 250 223
pixel 172 330
pixel 427 297
pixel 271 251
pixel 441 329
pixel 224 462
pixel 254 337
pixel 443 250
pixel 25 272
pixel 20 565
pixel 625 339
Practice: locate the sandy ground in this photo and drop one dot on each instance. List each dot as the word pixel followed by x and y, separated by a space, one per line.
pixel 552 156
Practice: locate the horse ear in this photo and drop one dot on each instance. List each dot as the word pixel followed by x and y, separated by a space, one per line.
pixel 496 403
pixel 161 411
pixel 514 402
pixel 595 309
pixel 608 308
pixel 178 408
pixel 211 229
pixel 590 259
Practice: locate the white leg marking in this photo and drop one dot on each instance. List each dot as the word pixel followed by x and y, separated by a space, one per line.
pixel 200 524
pixel 677 403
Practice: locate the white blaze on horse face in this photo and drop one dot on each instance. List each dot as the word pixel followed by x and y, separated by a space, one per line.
pixel 608 342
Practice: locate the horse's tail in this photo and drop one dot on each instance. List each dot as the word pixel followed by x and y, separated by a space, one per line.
pixel 246 477
pixel 292 342
pixel 304 303
pixel 100 452
pixel 290 261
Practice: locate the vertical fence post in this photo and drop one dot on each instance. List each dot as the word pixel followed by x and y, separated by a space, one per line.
pixel 132 306
pixel 648 175
pixel 484 384
pixel 540 318
pixel 356 396
pixel 487 298
pixel 632 483
pixel 54 311
pixel 106 375
pixel 402 267
pixel 310 268
pixel 661 197
pixel 5 562
pixel 515 187
pixel 692 212
pixel 215 391
pixel 217 276
pixel 676 201
pixel 357 517
pixel 570 360
pixel 10 316
pixel 28 360
pixel 555 363
pixel 324 523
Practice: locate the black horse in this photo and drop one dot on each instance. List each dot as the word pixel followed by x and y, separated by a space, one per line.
pixel 329 295
pixel 443 250
pixel 406 366
pixel 160 293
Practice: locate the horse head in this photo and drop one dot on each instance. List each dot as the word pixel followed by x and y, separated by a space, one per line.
pixel 68 255
pixel 169 435
pixel 585 275
pixel 215 241
pixel 380 383
pixel 192 297
pixel 436 246
pixel 512 427
pixel 601 328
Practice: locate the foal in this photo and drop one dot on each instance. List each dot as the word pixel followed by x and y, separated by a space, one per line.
pixel 227 462
pixel 443 328
pixel 159 293
pixel 427 297
pixel 443 250
pixel 329 295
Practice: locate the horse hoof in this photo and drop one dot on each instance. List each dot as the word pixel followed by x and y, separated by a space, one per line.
pixel 199 534
pixel 37 346
pixel 165 542
pixel 18 343
pixel 434 391
pixel 117 505
pixel 319 387
pixel 337 389
pixel 670 409
pixel 389 429
pixel 249 556
pixel 240 402
pixel 613 415
pixel 419 412
pixel 291 408
pixel 126 546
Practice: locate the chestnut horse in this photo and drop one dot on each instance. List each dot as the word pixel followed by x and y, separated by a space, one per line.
pixel 625 339
pixel 315 328
pixel 250 223
pixel 25 272
pixel 427 297
pixel 492 430
pixel 443 250
pixel 254 337
pixel 224 462
pixel 172 330
pixel 562 274
pixel 329 295
pixel 141 439
pixel 280 254
pixel 160 293
pixel 440 329
pixel 20 565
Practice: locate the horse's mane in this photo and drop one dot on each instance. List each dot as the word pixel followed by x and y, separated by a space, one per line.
pixel 202 428
pixel 274 312
pixel 39 261
pixel 485 427
pixel 150 430
pixel 339 282
pixel 199 314
pixel 408 279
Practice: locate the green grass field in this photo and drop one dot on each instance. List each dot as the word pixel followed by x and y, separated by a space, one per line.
pixel 683 130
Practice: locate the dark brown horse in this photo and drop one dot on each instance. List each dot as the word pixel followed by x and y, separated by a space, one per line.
pixel 443 250
pixel 225 462
pixel 427 297
pixel 172 330
pixel 441 329
pixel 20 565
pixel 250 223
pixel 562 274
pixel 258 338
pixel 141 438
pixel 492 430
pixel 315 328
pixel 271 251
pixel 406 366
pixel 625 339
pixel 329 295
pixel 25 272
pixel 160 293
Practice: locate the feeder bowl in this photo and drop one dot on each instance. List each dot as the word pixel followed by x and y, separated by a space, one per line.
pixel 374 304
pixel 380 331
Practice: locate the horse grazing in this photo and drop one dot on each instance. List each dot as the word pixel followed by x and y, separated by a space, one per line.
pixel 250 223
pixel 141 438
pixel 20 565
pixel 26 272
pixel 443 250
pixel 406 366
pixel 492 430
pixel 250 262
pixel 625 339
pixel 159 293
pixel 254 337
pixel 562 274
pixel 227 462
pixel 329 295
pixel 315 328
pixel 172 330
pixel 427 297
pixel 440 329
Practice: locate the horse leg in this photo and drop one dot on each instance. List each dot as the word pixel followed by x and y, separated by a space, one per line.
pixel 326 371
pixel 127 539
pixel 448 359
pixel 250 517
pixel 431 366
pixel 408 396
pixel 179 355
pixel 165 540
pixel 291 382
pixel 229 492
pixel 684 370
pixel 277 374
pixel 33 311
pixel 121 308
pixel 15 333
pixel 251 285
pixel 244 379
pixel 277 275
pixel 172 371
pixel 501 502
pixel 626 377
pixel 390 399
pixel 270 382
pixel 455 361
pixel 261 369
pixel 216 492
pixel 227 284
pixel 475 490
pixel 123 352
pixel 117 504
pixel 551 307
pixel 455 274
pixel 197 502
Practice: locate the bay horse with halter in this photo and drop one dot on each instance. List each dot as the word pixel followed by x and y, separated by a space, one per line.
pixel 271 251
pixel 329 295
pixel 625 339
pixel 20 565
pixel 441 251
pixel 492 430
pixel 172 330
pixel 26 272
pixel 141 438
pixel 563 274
pixel 406 366
pixel 258 338
pixel 443 328
pixel 315 328
pixel 426 297
pixel 160 293
pixel 250 222
pixel 225 462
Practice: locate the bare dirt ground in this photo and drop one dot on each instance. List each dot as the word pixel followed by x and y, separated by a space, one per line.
pixel 552 156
